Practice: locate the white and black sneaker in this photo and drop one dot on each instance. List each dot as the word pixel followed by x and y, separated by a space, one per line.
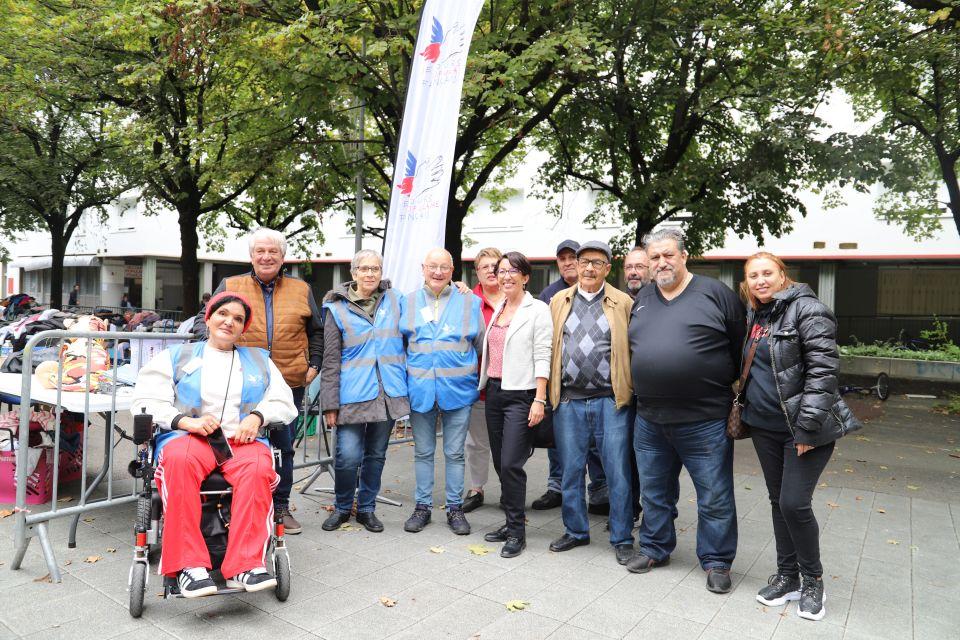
pixel 254 580
pixel 780 590
pixel 812 598
pixel 195 582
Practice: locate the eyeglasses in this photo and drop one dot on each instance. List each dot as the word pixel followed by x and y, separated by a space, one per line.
pixel 596 264
pixel 368 270
pixel 487 267
pixel 635 267
pixel 441 268
pixel 508 272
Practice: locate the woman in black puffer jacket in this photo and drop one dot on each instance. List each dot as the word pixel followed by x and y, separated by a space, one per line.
pixel 795 415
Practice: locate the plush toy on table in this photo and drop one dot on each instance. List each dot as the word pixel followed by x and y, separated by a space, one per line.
pixel 78 374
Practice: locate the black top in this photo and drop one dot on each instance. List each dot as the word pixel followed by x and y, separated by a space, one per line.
pixel 685 353
pixel 762 406
pixel 552 289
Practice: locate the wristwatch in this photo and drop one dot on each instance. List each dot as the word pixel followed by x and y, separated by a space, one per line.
pixel 541 401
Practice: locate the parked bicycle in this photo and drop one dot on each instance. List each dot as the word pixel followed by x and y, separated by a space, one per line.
pixel 881 388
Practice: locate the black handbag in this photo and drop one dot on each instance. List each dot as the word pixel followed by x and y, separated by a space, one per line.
pixel 543 431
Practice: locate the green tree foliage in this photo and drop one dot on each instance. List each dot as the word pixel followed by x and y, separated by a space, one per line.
pixel 703 112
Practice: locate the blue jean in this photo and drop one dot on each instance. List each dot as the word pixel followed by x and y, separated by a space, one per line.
pixel 361 451
pixel 454 427
pixel 576 422
pixel 282 439
pixel 596 490
pixel 707 453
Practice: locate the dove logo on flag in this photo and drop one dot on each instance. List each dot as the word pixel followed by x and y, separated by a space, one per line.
pixel 444 45
pixel 420 177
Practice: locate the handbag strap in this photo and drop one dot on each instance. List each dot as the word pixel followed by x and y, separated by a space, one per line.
pixel 741 385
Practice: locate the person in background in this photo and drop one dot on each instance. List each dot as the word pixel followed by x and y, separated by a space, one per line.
pixel 364 387
pixel 636 269
pixel 597 489
pixel 287 324
pixel 795 416
pixel 125 302
pixel 477 447
pixel 591 390
pixel 685 338
pixel 516 366
pixel 74 295
pixel 443 330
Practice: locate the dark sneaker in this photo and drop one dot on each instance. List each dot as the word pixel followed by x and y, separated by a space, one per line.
pixel 624 553
pixel 513 547
pixel 254 580
pixel 780 590
pixel 290 524
pixel 500 535
pixel 420 518
pixel 812 598
pixel 600 509
pixel 718 580
pixel 642 563
pixel 549 500
pixel 473 500
pixel 457 521
pixel 196 582
pixel 567 542
pixel 334 520
pixel 370 521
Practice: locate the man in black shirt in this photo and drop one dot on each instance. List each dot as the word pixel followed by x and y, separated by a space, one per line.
pixel 685 339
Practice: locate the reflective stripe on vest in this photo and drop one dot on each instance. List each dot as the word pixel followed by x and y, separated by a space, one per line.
pixel 254 366
pixel 441 361
pixel 371 353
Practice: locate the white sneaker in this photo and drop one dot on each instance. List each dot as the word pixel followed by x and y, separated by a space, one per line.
pixel 195 582
pixel 254 580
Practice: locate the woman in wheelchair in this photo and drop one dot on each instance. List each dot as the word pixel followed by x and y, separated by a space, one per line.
pixel 192 390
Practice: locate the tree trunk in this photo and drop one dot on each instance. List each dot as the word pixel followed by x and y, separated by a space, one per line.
pixel 453 235
pixel 189 216
pixel 647 215
pixel 58 249
pixel 949 172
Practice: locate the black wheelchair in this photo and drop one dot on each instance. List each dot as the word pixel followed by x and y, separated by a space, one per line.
pixel 216 494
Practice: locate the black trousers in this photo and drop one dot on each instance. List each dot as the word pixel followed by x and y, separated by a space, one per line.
pixel 510 441
pixel 791 480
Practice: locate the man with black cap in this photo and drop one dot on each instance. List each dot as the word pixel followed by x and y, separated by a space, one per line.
pixel 597 490
pixel 592 394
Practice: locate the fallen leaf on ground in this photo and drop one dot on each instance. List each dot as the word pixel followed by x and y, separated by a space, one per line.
pixel 848 470
pixel 884 467
pixel 478 549
pixel 833 505
pixel 89 520
pixel 892 541
pixel 914 547
pixel 516 605
pixel 912 487
pixel 747 488
pixel 328 508
pixel 66 499
pixel 955 455
pixel 387 602
pixel 437 549
pixel 863 438
pixel 823 485
pixel 92 559
pixel 881 510
pixel 111 550
pixel 6 513
pixel 67 563
pixel 346 526
pixel 859 498
pixel 45 578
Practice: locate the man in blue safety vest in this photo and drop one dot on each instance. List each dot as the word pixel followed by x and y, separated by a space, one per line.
pixel 443 331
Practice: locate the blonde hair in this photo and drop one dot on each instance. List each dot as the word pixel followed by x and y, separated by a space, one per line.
pixel 489 252
pixel 748 297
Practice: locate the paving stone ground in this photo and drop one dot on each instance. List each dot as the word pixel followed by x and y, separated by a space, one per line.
pixel 889 510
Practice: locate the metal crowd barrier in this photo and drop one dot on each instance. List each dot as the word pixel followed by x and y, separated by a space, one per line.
pixel 31 519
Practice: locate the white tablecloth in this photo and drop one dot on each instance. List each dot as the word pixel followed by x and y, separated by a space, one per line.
pixel 11 384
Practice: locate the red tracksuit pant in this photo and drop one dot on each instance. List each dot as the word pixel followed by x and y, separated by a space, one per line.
pixel 184 463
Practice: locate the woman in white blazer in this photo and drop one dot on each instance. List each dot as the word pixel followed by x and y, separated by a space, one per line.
pixel 515 370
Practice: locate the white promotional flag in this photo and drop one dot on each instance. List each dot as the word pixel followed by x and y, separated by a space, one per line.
pixel 428 135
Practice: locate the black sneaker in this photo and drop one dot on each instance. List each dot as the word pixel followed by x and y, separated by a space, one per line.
pixel 195 582
pixel 624 553
pixel 780 590
pixel 718 580
pixel 642 563
pixel 420 519
pixel 500 535
pixel 254 580
pixel 334 520
pixel 473 500
pixel 513 547
pixel 549 500
pixel 457 521
pixel 812 598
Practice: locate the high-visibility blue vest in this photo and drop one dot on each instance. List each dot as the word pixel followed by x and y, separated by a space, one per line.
pixel 254 365
pixel 441 360
pixel 369 348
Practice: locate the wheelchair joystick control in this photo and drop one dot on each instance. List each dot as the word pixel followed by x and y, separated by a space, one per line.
pixel 142 427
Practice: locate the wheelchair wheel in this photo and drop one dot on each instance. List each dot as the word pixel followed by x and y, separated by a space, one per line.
pixel 281 568
pixel 138 586
pixel 883 386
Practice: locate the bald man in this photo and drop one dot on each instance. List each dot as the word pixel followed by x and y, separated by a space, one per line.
pixel 443 331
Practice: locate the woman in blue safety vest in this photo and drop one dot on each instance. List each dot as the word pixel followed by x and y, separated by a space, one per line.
pixel 193 391
pixel 364 386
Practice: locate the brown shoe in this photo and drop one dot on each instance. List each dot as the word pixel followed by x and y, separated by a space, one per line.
pixel 290 524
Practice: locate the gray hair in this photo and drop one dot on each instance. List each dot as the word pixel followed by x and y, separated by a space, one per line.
pixel 263 233
pixel 670 233
pixel 360 255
